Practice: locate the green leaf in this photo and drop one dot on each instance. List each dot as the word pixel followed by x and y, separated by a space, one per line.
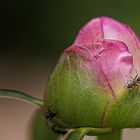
pixel 8 93
pixel 39 129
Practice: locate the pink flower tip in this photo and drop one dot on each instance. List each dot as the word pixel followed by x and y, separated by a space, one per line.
pixel 110 49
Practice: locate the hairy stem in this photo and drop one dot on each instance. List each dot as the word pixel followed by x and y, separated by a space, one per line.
pixel 114 135
pixel 20 96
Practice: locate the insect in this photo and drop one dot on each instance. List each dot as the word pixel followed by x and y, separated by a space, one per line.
pixel 49 114
pixel 134 82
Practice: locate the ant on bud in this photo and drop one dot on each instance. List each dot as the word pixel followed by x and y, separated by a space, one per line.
pixel 134 82
pixel 49 114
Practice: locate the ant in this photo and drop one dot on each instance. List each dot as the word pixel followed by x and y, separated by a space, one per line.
pixel 134 82
pixel 49 114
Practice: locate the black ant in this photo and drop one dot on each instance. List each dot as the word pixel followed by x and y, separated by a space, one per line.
pixel 134 82
pixel 49 115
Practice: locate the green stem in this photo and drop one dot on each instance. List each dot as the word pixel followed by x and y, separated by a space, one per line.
pixel 79 133
pixel 114 135
pixel 20 96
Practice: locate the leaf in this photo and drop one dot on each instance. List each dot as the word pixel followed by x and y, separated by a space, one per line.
pixel 9 93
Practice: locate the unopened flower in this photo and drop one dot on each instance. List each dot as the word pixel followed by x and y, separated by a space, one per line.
pixel 89 86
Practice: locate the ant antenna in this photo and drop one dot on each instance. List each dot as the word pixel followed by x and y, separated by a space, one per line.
pixel 130 77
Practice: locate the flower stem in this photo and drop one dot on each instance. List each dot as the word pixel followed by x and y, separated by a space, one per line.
pixel 5 93
pixel 114 135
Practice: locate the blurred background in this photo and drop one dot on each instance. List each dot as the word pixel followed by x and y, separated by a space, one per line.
pixel 32 36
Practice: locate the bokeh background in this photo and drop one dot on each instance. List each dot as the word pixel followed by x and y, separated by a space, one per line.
pixel 32 36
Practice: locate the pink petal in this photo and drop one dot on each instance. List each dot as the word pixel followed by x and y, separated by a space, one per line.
pixel 91 33
pixel 116 63
pixel 102 28
pixel 110 61
pixel 117 31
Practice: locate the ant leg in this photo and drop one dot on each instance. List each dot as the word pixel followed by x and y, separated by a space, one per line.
pixel 136 77
pixel 126 85
pixel 130 77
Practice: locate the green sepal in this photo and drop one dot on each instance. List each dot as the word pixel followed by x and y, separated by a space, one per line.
pixel 125 110
pixel 74 94
pixel 114 135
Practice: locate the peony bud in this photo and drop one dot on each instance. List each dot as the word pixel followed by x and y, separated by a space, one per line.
pixel 89 87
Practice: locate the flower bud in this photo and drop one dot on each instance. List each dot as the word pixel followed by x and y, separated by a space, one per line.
pixel 89 86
